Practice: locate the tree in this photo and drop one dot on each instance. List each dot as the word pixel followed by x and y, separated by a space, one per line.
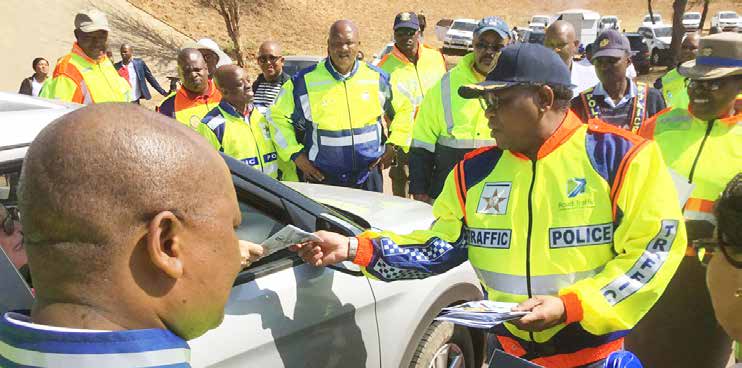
pixel 651 13
pixel 704 12
pixel 230 11
pixel 678 31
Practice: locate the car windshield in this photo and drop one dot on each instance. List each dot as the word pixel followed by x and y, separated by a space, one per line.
pixel 692 16
pixel 657 18
pixel 536 37
pixel 540 20
pixel 291 67
pixel 464 26
pixel 663 32
pixel 635 41
pixel 728 15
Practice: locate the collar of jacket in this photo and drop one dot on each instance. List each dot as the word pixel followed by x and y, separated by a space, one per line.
pixel 229 109
pixel 338 76
pixel 566 128
pixel 402 57
pixel 191 96
pixel 77 50
pixel 467 64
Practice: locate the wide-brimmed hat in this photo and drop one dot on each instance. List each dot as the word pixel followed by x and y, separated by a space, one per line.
pixel 719 56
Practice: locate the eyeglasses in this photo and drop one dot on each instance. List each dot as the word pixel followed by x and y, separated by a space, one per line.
pixel 732 253
pixel 263 59
pixel 708 85
pixel 8 222
pixel 494 47
pixel 493 102
pixel 405 32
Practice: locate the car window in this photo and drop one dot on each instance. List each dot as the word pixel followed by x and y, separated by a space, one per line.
pixel 728 15
pixel 464 26
pixel 663 32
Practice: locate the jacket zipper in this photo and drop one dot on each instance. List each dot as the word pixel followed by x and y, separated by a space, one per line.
pixel 419 82
pixel 700 149
pixel 350 122
pixel 528 236
pixel 257 147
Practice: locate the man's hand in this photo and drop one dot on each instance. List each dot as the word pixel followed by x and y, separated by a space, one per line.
pixel 422 198
pixel 546 311
pixel 386 159
pixel 332 249
pixel 311 173
pixel 250 253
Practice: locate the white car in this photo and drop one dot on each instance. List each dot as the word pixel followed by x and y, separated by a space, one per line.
pixel 726 21
pixel 658 40
pixel 459 36
pixel 539 22
pixel 282 312
pixel 691 21
pixel 607 22
pixel 647 21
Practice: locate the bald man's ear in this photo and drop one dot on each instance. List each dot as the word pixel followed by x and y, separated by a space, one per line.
pixel 164 243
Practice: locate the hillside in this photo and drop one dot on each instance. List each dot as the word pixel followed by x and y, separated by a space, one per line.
pixel 301 25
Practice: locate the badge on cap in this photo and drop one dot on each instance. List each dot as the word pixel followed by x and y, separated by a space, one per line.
pixel 405 17
pixel 604 42
pixel 707 51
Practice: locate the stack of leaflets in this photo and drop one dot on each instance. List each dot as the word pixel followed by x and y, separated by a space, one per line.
pixel 483 314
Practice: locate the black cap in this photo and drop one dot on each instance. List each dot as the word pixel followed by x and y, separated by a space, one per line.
pixel 406 20
pixel 522 63
pixel 611 43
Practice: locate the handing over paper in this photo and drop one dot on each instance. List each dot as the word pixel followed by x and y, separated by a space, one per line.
pixel 287 237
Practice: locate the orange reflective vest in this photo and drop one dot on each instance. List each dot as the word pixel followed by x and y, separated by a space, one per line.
pixel 188 108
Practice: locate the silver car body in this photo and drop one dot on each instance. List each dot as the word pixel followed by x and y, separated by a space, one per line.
pixel 293 314
pixel 459 36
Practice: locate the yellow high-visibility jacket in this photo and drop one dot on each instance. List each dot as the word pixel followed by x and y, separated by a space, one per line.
pixel 245 138
pixel 78 78
pixel 412 80
pixel 594 220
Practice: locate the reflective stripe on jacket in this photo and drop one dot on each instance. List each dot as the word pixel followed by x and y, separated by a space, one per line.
pixel 708 153
pixel 447 126
pixel 340 116
pixel 246 139
pixel 189 109
pixel 674 90
pixel 594 220
pixel 78 78
pixel 411 80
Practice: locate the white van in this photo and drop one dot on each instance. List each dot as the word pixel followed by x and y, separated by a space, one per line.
pixel 585 23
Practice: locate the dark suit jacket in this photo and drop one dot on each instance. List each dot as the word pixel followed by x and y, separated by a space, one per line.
pixel 143 73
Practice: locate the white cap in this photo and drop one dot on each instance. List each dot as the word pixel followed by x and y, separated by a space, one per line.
pixel 209 44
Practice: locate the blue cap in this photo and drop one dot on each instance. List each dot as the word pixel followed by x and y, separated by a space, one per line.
pixel 406 20
pixel 522 63
pixel 611 43
pixel 496 24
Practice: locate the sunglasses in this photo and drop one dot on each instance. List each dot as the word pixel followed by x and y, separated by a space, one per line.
pixel 263 59
pixel 494 47
pixel 493 102
pixel 732 253
pixel 707 85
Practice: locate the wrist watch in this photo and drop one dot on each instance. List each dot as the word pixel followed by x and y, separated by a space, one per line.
pixel 352 248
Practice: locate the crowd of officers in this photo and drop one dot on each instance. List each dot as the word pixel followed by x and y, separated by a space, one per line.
pixel 519 165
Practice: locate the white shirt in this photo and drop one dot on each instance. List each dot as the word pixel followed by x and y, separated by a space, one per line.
pixel 134 81
pixel 583 77
pixel 631 72
pixel 600 91
pixel 36 87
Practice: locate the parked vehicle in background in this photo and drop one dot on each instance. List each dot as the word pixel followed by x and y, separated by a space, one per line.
pixel 647 21
pixel 293 64
pixel 387 49
pixel 459 36
pixel 658 40
pixel 691 21
pixel 441 28
pixel 535 37
pixel 585 23
pixel 639 53
pixel 726 21
pixel 539 22
pixel 607 22
pixel 282 312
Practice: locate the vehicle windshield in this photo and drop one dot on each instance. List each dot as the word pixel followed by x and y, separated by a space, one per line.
pixel 728 15
pixel 692 16
pixel 290 67
pixel 540 20
pixel 663 32
pixel 635 41
pixel 464 26
pixel 657 18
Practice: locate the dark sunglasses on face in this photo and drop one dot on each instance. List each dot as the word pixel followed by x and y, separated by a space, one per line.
pixel 489 100
pixel 732 253
pixel 707 85
pixel 495 47
pixel 263 59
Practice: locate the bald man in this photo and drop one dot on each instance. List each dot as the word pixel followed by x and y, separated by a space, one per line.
pixel 137 73
pixel 271 79
pixel 561 37
pixel 340 103
pixel 238 129
pixel 121 243
pixel 672 84
pixel 196 95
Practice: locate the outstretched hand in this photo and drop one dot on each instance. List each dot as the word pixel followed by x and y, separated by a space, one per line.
pixel 250 253
pixel 546 311
pixel 332 249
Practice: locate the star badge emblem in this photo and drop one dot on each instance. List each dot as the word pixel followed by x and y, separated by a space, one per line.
pixel 494 202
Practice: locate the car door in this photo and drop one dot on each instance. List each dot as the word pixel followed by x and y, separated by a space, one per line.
pixel 283 312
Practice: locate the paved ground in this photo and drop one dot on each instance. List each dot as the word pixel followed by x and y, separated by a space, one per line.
pixel 33 28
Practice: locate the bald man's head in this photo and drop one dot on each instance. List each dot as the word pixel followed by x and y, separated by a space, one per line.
pixel 689 47
pixel 235 86
pixel 270 60
pixel 193 71
pixel 113 194
pixel 561 37
pixel 343 44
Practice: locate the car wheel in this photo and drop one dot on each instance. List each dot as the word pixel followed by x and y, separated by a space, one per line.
pixel 655 57
pixel 444 345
